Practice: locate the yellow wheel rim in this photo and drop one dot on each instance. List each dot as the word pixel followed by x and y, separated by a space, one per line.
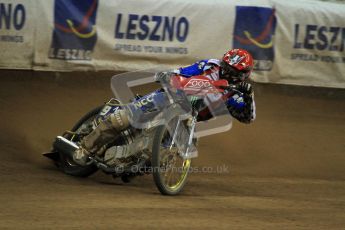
pixel 185 170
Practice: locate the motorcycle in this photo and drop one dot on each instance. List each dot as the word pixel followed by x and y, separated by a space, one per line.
pixel 160 141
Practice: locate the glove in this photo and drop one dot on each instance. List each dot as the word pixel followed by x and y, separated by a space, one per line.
pixel 162 76
pixel 236 102
pixel 241 107
pixel 245 88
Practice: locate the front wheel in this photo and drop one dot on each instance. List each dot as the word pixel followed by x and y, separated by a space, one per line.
pixel 170 170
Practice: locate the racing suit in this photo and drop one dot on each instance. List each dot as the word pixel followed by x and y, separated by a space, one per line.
pixel 240 107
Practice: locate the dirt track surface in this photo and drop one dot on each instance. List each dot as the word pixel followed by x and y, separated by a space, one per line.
pixel 285 171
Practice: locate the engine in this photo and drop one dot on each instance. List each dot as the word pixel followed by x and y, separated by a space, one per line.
pixel 137 146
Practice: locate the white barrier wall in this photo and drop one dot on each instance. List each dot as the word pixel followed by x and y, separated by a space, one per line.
pixel 293 42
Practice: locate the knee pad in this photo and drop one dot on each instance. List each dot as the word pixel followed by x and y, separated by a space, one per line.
pixel 119 119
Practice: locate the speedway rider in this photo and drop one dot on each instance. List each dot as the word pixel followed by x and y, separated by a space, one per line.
pixel 235 67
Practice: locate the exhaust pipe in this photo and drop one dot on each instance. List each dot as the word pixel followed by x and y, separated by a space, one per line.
pixel 65 146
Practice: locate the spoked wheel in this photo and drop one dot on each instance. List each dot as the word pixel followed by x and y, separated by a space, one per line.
pixel 66 164
pixel 170 170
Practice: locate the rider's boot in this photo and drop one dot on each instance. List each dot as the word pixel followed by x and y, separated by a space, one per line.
pixel 81 156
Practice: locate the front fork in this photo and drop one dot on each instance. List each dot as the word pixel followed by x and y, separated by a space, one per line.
pixel 191 124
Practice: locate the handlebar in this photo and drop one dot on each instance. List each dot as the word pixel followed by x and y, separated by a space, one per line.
pixel 231 88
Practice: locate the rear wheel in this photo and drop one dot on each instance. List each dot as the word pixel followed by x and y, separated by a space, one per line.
pixel 66 164
pixel 170 170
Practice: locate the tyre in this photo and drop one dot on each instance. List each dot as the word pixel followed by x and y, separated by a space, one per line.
pixel 66 164
pixel 170 170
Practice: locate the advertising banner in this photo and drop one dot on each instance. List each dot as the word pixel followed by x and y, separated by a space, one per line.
pixel 66 35
pixel 130 35
pixel 310 44
pixel 74 34
pixel 17 28
pixel 292 42
pixel 254 30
